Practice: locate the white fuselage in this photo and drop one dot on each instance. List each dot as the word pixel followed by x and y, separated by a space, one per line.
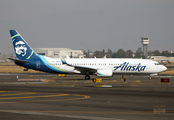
pixel 117 66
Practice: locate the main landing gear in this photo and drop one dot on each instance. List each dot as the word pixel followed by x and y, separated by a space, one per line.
pixel 123 78
pixel 87 77
pixel 25 69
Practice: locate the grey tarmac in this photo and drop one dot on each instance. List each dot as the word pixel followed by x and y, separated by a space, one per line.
pixel 73 98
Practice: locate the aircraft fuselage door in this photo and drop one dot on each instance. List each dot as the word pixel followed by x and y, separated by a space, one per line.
pixel 38 64
pixel 148 65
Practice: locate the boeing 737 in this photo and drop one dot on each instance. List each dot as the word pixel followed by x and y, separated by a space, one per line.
pixel 101 67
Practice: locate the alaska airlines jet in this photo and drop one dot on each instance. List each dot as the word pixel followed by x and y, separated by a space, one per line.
pixel 103 67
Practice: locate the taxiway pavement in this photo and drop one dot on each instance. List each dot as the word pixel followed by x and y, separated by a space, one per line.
pixel 72 97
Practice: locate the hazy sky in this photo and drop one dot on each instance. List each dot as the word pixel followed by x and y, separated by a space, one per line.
pixel 88 24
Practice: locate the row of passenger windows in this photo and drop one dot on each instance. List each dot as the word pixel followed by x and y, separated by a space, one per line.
pixel 85 64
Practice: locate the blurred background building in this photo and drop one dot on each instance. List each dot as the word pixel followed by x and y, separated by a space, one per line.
pixel 55 52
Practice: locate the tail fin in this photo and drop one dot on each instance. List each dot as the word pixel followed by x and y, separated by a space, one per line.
pixel 22 50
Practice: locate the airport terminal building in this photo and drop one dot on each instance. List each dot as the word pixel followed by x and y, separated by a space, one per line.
pixel 55 52
pixel 49 52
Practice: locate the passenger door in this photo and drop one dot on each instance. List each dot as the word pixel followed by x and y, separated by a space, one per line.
pixel 38 64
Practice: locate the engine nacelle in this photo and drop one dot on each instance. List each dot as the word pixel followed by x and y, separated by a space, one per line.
pixel 104 73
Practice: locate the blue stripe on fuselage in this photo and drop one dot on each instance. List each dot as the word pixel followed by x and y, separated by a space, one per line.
pixel 50 66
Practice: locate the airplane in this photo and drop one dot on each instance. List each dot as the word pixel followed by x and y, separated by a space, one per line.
pixel 101 67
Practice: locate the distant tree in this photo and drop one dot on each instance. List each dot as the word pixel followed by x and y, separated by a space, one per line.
pixel 150 53
pixel 156 53
pixel 109 53
pixel 98 54
pixel 114 55
pixel 129 54
pixel 126 54
pixel 121 53
pixel 103 52
pixel 142 56
pixel 138 53
pixel 172 54
pixel 166 53
pixel 86 54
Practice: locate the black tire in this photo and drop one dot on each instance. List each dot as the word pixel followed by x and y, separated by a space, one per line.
pixel 87 77
pixel 124 79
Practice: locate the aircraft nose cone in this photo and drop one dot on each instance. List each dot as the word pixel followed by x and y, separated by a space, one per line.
pixel 163 68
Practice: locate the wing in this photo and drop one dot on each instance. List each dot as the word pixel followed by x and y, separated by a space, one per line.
pixel 82 69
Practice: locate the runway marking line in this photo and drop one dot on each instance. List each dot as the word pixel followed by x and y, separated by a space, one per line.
pixel 134 84
pixel 126 112
pixel 2 91
pixel 49 80
pixel 37 95
pixel 33 96
pixel 52 113
pixel 15 94
pixel 59 115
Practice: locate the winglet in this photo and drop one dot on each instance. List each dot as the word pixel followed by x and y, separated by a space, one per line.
pixel 62 60
pixel 67 56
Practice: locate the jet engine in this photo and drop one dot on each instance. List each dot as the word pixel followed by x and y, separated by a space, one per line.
pixel 104 73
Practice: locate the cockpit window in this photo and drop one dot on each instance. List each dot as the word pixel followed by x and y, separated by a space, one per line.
pixel 156 63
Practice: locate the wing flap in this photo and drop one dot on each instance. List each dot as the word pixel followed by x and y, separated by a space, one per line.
pixel 85 69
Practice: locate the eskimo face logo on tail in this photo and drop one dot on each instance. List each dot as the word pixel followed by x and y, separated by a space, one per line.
pixel 20 48
pixel 127 67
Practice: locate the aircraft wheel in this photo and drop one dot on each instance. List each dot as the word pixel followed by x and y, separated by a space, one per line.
pixel 124 79
pixel 25 69
pixel 87 77
pixel 150 77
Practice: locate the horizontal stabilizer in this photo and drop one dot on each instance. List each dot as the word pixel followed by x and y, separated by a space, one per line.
pixel 17 60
